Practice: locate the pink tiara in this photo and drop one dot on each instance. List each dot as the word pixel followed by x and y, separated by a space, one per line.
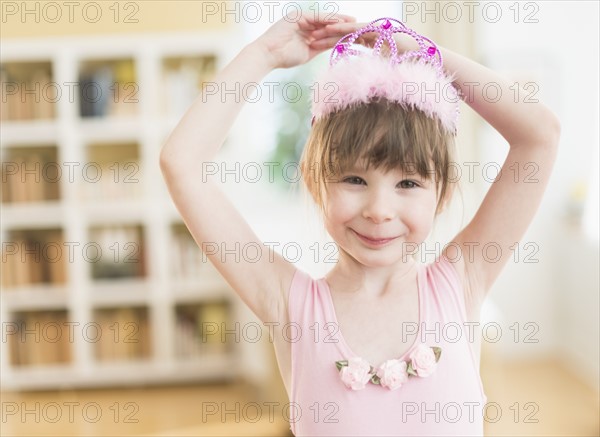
pixel 413 79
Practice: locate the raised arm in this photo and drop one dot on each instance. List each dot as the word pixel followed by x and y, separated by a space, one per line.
pixel 207 212
pixel 532 132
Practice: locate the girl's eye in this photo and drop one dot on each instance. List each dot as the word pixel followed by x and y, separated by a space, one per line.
pixel 411 184
pixel 354 180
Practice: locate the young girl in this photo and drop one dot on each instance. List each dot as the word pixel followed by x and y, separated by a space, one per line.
pixel 381 345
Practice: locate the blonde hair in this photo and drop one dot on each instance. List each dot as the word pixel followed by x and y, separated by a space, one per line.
pixel 383 135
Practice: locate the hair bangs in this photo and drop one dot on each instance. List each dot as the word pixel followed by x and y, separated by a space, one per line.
pixel 388 137
pixel 381 135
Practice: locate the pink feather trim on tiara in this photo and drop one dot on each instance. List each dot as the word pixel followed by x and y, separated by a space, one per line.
pixel 414 80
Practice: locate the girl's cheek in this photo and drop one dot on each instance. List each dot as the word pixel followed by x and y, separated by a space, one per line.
pixel 345 204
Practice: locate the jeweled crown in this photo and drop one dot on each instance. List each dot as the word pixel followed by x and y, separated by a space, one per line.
pixel 415 78
pixel 427 53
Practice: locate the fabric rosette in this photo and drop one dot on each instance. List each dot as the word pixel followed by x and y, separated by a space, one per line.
pixel 392 374
pixel 424 360
pixel 356 372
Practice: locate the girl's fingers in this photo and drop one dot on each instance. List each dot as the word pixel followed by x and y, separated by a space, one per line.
pixel 314 22
pixel 322 19
pixel 324 43
pixel 336 18
pixel 311 26
pixel 340 29
pixel 328 43
pixel 347 18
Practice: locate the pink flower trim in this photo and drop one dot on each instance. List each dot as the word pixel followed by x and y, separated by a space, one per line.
pixel 356 372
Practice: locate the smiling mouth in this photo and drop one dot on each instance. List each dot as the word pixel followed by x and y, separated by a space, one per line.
pixel 375 241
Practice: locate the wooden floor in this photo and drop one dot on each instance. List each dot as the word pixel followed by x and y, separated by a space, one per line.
pixel 533 398
pixel 539 398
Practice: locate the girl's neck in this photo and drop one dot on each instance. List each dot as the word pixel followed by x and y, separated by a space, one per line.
pixel 350 276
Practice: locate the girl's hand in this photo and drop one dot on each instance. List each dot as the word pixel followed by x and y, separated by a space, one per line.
pixel 330 34
pixel 326 37
pixel 288 44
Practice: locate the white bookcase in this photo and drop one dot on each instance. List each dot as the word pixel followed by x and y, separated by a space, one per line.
pixel 83 317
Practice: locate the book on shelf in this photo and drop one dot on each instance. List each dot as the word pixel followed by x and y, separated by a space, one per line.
pixel 94 92
pixel 121 252
pixel 111 186
pixel 4 101
pixel 184 78
pixel 34 257
pixel 30 175
pixel 28 92
pixel 123 334
pixel 199 330
pixel 126 93
pixel 108 89
pixel 217 315
pixel 39 338
pixel 116 169
pixel 188 262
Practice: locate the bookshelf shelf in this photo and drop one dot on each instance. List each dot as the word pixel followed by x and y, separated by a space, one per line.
pixel 113 211
pixel 122 292
pixel 110 128
pixel 208 364
pixel 33 215
pixel 129 269
pixel 35 298
pixel 29 132
pixel 193 289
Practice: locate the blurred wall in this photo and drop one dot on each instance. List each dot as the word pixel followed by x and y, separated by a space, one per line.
pixel 559 292
pixel 34 19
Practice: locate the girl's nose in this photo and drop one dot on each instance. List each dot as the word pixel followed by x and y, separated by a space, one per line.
pixel 378 208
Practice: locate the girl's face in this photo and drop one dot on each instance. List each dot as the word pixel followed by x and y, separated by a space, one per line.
pixel 378 217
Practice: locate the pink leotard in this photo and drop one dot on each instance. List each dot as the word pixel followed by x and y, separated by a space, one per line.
pixel 448 402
